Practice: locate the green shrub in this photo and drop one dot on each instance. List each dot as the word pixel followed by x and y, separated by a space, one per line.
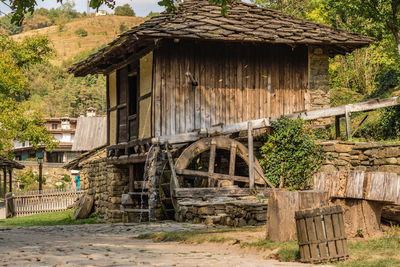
pixel 290 157
pixel 81 32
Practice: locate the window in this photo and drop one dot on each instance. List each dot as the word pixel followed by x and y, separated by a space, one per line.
pixel 132 95
pixel 54 126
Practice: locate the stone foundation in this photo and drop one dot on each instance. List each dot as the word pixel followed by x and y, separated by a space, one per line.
pixel 370 157
pixel 106 183
pixel 235 212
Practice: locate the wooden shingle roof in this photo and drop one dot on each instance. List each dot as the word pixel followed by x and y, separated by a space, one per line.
pixel 199 20
pixel 4 162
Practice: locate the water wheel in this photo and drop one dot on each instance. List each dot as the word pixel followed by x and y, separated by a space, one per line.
pixel 214 162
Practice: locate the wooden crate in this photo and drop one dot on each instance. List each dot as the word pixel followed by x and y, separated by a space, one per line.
pixel 321 234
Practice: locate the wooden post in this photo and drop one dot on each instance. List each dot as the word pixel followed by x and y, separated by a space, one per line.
pixel 10 180
pixel 251 154
pixel 131 179
pixel 337 127
pixel 211 163
pixel 348 114
pixel 40 176
pixel 232 160
pixel 5 181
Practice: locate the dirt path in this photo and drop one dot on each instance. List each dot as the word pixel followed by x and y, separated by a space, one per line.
pixel 114 245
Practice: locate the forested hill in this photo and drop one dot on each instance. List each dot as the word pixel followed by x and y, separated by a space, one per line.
pixel 52 91
pixel 83 34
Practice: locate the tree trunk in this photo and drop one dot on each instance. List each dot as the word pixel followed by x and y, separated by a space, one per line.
pixel 397 35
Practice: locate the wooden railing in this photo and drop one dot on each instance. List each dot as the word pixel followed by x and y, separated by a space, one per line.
pixel 32 202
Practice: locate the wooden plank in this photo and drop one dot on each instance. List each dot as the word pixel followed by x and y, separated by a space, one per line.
pixel 330 235
pixel 232 160
pixel 348 126
pixel 338 234
pixel 174 179
pixel 215 176
pixel 321 235
pixel 251 155
pixel 212 192
pixel 312 238
pixel 211 163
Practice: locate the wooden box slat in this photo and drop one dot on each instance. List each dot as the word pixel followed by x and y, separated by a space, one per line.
pixel 321 234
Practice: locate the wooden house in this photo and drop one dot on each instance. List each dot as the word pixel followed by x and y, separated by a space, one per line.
pixel 194 73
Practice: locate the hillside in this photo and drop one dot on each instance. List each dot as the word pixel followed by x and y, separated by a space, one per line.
pixel 100 31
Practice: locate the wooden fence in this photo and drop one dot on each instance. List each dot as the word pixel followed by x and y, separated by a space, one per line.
pixel 33 202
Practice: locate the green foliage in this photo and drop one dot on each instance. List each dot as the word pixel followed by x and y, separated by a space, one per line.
pixel 290 157
pixel 18 121
pixel 81 32
pixel 48 219
pixel 29 181
pixel 124 10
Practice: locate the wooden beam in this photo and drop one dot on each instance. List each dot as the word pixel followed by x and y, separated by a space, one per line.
pixel 232 160
pixel 359 125
pixel 266 122
pixel 131 178
pixel 215 176
pixel 174 179
pixel 251 154
pixel 348 126
pixel 211 163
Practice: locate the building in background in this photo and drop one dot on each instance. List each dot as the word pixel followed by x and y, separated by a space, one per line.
pixel 63 129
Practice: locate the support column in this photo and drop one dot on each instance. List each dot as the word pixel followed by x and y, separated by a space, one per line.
pixel 10 180
pixel 251 155
pixel 348 131
pixel 131 179
pixel 5 181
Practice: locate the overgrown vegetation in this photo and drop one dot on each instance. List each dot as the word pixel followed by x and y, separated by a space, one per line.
pixel 290 156
pixel 47 219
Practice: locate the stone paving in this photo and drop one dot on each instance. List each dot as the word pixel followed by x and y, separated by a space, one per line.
pixel 115 245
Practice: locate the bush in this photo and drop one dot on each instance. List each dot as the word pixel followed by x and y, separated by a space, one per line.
pixel 290 157
pixel 81 32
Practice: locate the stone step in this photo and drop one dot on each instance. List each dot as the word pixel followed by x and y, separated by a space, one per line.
pixel 136 210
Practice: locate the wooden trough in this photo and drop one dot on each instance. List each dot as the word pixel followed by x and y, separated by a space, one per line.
pixel 321 234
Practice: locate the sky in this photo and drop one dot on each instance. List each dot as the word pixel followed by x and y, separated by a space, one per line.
pixel 141 7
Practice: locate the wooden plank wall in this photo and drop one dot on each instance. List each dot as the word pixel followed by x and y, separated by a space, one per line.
pixel 237 82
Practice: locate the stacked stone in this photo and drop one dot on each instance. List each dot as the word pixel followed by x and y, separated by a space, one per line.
pixel 237 213
pixel 106 183
pixel 318 95
pixel 371 157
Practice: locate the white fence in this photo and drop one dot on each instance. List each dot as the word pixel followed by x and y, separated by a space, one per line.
pixel 32 202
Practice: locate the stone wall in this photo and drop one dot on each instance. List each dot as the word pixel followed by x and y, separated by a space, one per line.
pixel 230 212
pixel 371 157
pixel 53 172
pixel 107 183
pixel 318 95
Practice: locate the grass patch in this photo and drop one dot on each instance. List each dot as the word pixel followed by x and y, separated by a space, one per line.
pixel 287 251
pixel 379 252
pixel 47 219
pixel 196 236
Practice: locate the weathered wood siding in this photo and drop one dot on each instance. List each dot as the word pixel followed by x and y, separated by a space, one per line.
pixel 112 91
pixel 237 83
pixel 146 82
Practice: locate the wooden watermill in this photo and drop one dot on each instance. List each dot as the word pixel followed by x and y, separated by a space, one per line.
pixel 211 163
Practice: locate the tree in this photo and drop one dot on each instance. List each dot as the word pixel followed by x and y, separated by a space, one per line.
pixel 374 17
pixel 17 120
pixel 124 10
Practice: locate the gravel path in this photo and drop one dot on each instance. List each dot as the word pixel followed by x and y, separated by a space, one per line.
pixel 114 245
